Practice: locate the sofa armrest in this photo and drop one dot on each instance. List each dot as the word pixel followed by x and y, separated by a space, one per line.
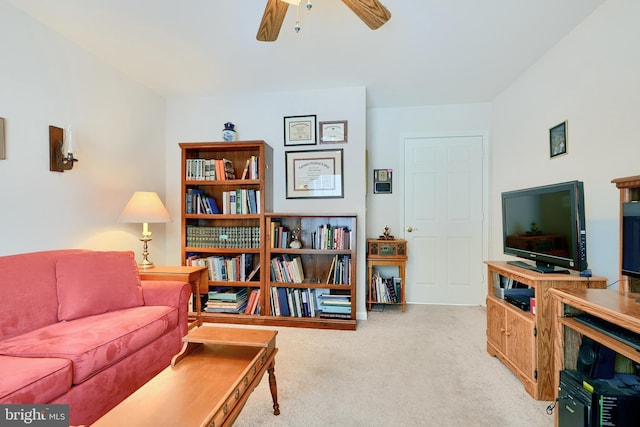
pixel 170 293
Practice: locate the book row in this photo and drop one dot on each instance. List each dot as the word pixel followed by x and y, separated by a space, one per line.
pixel 240 201
pixel 286 270
pixel 328 237
pixel 224 237
pixel 323 237
pixel 306 302
pixel 209 169
pixel 226 268
pixel 385 290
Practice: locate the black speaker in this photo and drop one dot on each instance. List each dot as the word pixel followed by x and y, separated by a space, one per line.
pixel 587 355
pixel 595 360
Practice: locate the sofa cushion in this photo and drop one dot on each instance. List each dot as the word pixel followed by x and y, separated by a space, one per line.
pixel 28 281
pixel 33 380
pixel 96 282
pixel 96 342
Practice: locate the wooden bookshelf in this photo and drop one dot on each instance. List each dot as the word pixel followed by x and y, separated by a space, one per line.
pixel 235 236
pixel 629 192
pixel 328 267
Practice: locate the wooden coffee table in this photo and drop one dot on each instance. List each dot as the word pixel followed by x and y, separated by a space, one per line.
pixel 207 384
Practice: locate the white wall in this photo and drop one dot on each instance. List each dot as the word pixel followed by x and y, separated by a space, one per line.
pixel 261 117
pixel 591 80
pixel 118 133
pixel 386 128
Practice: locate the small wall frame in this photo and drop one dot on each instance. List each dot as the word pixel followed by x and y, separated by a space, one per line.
pixel 382 181
pixel 558 140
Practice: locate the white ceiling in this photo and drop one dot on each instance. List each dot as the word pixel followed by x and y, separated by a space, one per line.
pixel 430 52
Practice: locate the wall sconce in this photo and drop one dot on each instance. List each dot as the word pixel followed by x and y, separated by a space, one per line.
pixel 145 207
pixel 58 161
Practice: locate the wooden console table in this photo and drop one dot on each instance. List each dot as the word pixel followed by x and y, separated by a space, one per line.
pixel 197 276
pixel 207 384
pixel 617 308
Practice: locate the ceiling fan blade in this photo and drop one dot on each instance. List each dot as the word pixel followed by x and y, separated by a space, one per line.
pixel 272 19
pixel 371 12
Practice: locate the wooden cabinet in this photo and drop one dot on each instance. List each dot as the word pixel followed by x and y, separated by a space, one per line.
pixel 386 288
pixel 522 340
pixel 629 192
pixel 235 180
pixel 310 270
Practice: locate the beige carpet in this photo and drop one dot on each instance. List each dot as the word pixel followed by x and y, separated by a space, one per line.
pixel 425 367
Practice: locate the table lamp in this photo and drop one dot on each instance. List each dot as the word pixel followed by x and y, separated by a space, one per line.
pixel 145 207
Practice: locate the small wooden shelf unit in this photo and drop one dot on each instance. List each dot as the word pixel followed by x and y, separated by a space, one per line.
pixel 386 253
pixel 524 341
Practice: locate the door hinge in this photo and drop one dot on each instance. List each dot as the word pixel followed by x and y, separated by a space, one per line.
pixel 535 374
pixel 535 331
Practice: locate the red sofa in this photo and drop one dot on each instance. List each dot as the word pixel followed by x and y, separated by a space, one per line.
pixel 79 327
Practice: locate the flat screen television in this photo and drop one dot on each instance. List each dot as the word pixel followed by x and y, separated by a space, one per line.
pixel 546 225
pixel 631 239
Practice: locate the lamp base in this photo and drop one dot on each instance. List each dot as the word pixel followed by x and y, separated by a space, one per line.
pixel 145 254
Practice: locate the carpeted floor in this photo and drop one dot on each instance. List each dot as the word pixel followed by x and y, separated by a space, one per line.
pixel 425 367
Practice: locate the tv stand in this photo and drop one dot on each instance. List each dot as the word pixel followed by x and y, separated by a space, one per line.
pixel 523 341
pixel 540 268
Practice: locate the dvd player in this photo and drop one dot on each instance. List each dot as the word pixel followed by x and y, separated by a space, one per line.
pixel 520 301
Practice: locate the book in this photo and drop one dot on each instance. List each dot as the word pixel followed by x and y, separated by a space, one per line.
pixel 229 171
pixel 245 172
pixel 283 301
pixel 253 272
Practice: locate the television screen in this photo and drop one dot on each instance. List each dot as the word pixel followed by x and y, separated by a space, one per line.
pixel 546 225
pixel 631 239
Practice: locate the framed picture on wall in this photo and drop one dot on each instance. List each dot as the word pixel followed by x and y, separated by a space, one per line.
pixel 558 139
pixel 314 174
pixel 300 130
pixel 333 132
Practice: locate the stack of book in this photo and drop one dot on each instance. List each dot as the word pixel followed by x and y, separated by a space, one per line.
pixel 335 306
pixel 226 300
pixel 293 302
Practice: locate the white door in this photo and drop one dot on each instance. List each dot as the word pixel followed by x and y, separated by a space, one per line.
pixel 443 219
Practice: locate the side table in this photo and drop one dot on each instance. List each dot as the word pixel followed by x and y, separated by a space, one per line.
pixel 388 253
pixel 197 276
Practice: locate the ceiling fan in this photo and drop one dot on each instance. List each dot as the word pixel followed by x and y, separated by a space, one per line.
pixel 371 12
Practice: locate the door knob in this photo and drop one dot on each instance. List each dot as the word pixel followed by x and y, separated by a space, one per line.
pixel 410 229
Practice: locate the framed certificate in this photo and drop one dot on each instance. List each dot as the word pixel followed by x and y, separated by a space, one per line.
pixel 300 130
pixel 333 132
pixel 314 174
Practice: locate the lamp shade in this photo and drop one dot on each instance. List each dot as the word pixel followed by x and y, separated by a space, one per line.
pixel 144 206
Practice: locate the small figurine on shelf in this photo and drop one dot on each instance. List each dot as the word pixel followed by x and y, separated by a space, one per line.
pixel 386 235
pixel 229 133
pixel 295 239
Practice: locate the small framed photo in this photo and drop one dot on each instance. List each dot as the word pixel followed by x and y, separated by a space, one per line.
pixel 300 130
pixel 558 139
pixel 333 132
pixel 382 181
pixel 314 174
